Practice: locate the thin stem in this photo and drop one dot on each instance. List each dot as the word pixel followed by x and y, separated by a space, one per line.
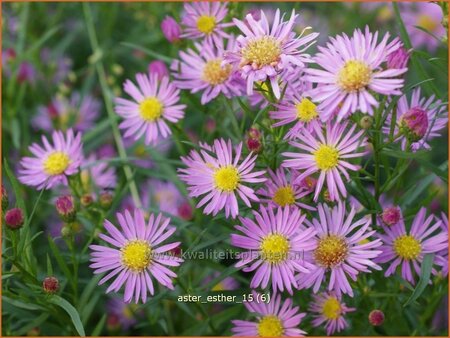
pixel 106 94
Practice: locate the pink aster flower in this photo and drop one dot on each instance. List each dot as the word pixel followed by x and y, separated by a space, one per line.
pixel 328 309
pixel 428 16
pixel 159 68
pixel 203 20
pixel 136 255
pixel 264 52
pixel 97 174
pixel 340 249
pixel 171 29
pixel 276 244
pixel 78 112
pixel 352 71
pixel 442 257
pixel 154 103
pixel 408 247
pixel 279 190
pixel 327 153
pixel 165 196
pixel 51 164
pixel 216 173
pixel 419 120
pixel 274 319
pixel 202 70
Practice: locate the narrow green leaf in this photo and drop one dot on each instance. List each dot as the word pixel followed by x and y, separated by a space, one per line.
pixel 72 312
pixel 16 187
pixel 20 304
pixel 161 57
pixel 425 273
pixel 99 327
pixel 49 266
pixel 59 259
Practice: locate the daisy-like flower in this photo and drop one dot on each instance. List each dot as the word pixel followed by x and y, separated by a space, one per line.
pixel 352 68
pixel 419 120
pixel 78 113
pixel 342 249
pixel 274 319
pixel 277 244
pixel 203 20
pixel 326 153
pixel 406 248
pixel 327 308
pixel 136 255
pixel 216 173
pixel 264 52
pixel 280 191
pixel 51 164
pixel 97 175
pixel 203 70
pixel 154 103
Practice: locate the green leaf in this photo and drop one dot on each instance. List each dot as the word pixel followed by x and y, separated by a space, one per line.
pixel 16 187
pixel 153 54
pixel 20 304
pixel 99 327
pixel 49 266
pixel 59 259
pixel 34 323
pixel 72 312
pixel 425 273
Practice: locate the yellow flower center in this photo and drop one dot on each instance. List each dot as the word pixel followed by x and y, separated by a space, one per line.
pixel 331 251
pixel 407 247
pixel 354 76
pixel 136 255
pixel 326 157
pixel 275 248
pixel 206 24
pixel 427 22
pixel 56 163
pixel 214 73
pixel 331 309
pixel 306 110
pixel 261 52
pixel 227 178
pixel 218 287
pixel 270 326
pixel 150 109
pixel 284 196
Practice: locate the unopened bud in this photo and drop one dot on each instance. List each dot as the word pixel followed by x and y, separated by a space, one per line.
pixel 253 140
pixel 65 206
pixel 105 200
pixel 398 59
pixel 185 211
pixel 376 317
pixel 14 218
pixel 391 215
pixel 366 122
pixel 171 29
pixel 50 284
pixel 159 68
pixel 86 200
pixel 414 124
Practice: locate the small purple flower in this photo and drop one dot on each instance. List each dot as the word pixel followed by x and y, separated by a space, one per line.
pixel 414 124
pixel 159 68
pixel 171 29
pixel 398 58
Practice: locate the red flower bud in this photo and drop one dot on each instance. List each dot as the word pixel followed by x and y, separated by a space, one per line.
pixel 65 206
pixel 14 218
pixel 376 317
pixel 50 284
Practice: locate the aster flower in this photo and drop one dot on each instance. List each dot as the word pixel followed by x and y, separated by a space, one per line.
pixel 419 120
pixel 155 103
pixel 328 308
pixel 202 70
pixel 97 175
pixel 351 71
pixel 124 313
pixel 428 16
pixel 274 319
pixel 203 20
pixel 263 53
pixel 342 249
pixel 408 247
pixel 220 177
pixel 326 153
pixel 279 190
pixel 51 164
pixel 442 257
pixel 165 196
pixel 280 241
pixel 78 112
pixel 136 255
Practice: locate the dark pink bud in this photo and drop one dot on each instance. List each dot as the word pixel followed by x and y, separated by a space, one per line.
pixel 50 284
pixel 159 68
pixel 254 133
pixel 391 215
pixel 254 145
pixel 171 29
pixel 376 317
pixel 185 211
pixel 65 206
pixel 414 124
pixel 14 218
pixel 398 59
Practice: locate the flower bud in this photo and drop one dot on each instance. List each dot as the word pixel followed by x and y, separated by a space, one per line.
pixel 185 211
pixel 105 199
pixel 65 206
pixel 391 215
pixel 66 230
pixel 398 59
pixel 112 322
pixel 14 218
pixel 50 285
pixel 254 133
pixel 366 122
pixel 5 199
pixel 253 140
pixel 86 200
pixel 414 124
pixel 159 68
pixel 376 317
pixel 171 29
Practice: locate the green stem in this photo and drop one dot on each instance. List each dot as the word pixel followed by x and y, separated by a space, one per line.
pixel 106 94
